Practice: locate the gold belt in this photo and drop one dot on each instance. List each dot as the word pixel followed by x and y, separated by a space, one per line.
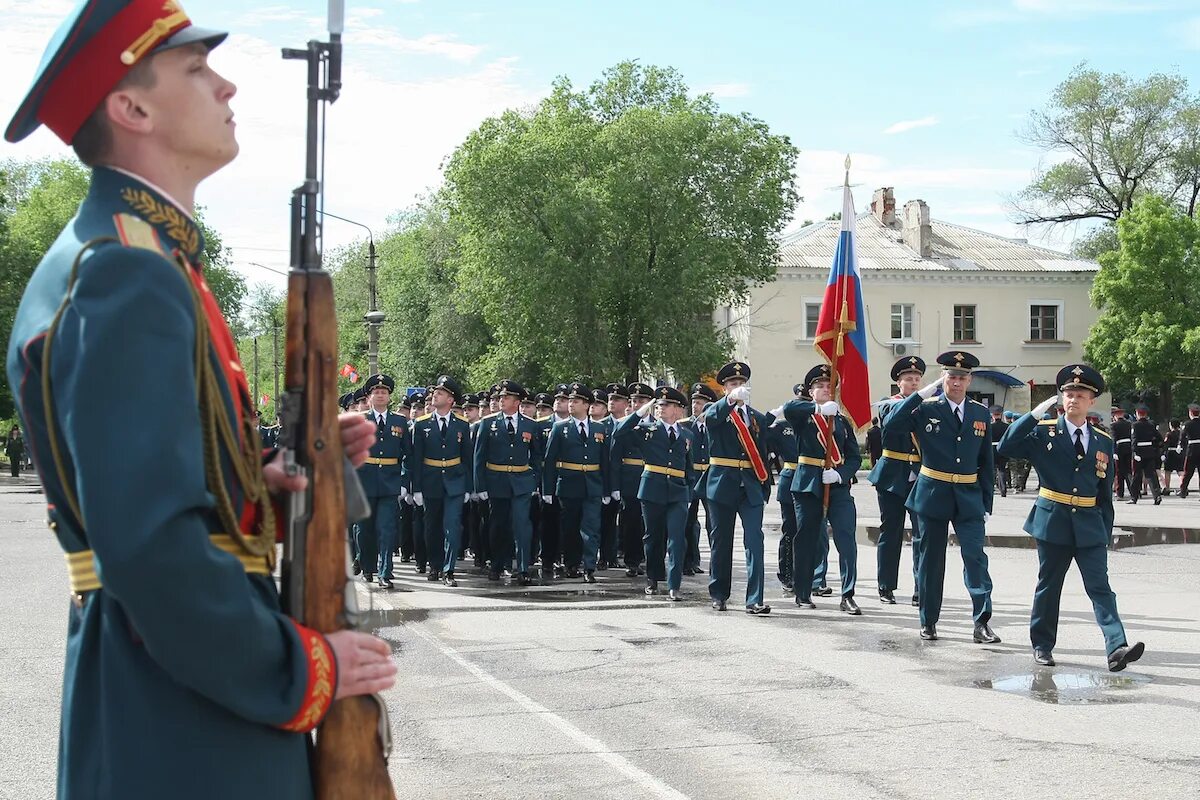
pixel 508 467
pixel 811 462
pixel 790 465
pixel 1067 499
pixel 577 467
pixel 81 566
pixel 633 462
pixel 383 462
pixel 674 473
pixel 443 463
pixel 736 463
pixel 896 455
pixel 700 467
pixel 948 477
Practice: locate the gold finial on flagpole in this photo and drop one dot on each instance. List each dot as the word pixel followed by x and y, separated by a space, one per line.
pixel 847 183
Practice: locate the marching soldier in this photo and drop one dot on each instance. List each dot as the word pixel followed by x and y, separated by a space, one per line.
pixel 702 396
pixel 382 477
pixel 610 546
pixel 998 428
pixel 177 650
pixel 1191 453
pixel 737 486
pixel 575 473
pixel 1173 454
pixel 894 476
pixel 476 529
pixel 442 478
pixel 1147 445
pixel 781 442
pixel 1072 519
pixel 551 512
pixel 1122 433
pixel 665 490
pixel 626 470
pixel 543 403
pixel 954 486
pixel 507 463
pixel 828 456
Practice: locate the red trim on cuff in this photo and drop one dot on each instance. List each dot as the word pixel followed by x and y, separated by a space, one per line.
pixel 322 679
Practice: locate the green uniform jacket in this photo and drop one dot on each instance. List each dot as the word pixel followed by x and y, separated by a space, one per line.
pixel 649 439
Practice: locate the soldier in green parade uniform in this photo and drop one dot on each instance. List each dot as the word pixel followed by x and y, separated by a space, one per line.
pixel 442 477
pixel 954 486
pixel 575 475
pixel 626 470
pixel 543 402
pixel 268 434
pixel 618 409
pixel 702 396
pixel 737 486
pixel 666 488
pixel 1072 519
pixel 827 455
pixel 780 442
pixel 475 523
pixel 383 481
pixel 893 476
pixel 507 464
pixel 177 649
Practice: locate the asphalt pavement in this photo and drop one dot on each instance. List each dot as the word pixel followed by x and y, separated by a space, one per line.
pixel 570 690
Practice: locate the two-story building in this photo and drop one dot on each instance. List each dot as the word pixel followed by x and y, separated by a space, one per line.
pixel 928 286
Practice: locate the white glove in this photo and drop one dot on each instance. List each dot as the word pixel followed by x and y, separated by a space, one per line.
pixel 481 496
pixel 831 476
pixel 828 408
pixel 616 495
pixel 1044 406
pixel 926 392
pixel 404 495
pixel 777 413
pixel 1136 457
pixel 467 498
pixel 605 501
pixel 547 499
pixel 645 408
pixel 419 499
pixel 986 516
pixel 739 395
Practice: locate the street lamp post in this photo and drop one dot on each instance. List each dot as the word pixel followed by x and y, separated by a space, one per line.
pixel 374 317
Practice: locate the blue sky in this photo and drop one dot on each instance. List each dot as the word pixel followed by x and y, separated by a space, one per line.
pixel 926 96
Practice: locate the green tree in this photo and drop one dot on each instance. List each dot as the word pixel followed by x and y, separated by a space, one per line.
pixel 1148 293
pixel 227 284
pixel 598 231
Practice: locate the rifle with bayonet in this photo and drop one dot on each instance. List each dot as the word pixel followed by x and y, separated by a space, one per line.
pixel 352 742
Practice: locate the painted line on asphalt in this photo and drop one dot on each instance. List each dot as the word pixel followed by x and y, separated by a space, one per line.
pixel 651 784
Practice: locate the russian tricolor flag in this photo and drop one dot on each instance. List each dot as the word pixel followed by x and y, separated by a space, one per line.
pixel 841 330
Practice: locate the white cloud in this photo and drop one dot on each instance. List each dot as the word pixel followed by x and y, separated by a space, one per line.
pixel 910 124
pixel 1188 33
pixel 429 44
pixel 724 90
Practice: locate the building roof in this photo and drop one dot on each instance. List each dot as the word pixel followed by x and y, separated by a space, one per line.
pixel 955 248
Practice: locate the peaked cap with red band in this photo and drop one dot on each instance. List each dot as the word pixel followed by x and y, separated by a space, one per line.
pixel 94 48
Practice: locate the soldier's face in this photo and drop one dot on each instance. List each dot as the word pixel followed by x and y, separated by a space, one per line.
pixel 578 408
pixel 472 413
pixel 955 386
pixel 908 383
pixel 698 406
pixel 734 383
pixel 527 408
pixel 670 413
pixel 820 391
pixel 1077 403
pixel 509 404
pixel 442 400
pixel 598 410
pixel 618 406
pixel 380 397
pixel 561 406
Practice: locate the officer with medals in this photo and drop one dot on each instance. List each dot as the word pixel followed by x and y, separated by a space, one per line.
pixel 575 475
pixel 737 486
pixel 1072 519
pixel 383 481
pixel 894 475
pixel 507 465
pixel 177 650
pixel 780 442
pixel 1191 448
pixel 954 486
pixel 442 477
pixel 827 456
pixel 626 470
pixel 702 397
pixel 1147 446
pixel 665 491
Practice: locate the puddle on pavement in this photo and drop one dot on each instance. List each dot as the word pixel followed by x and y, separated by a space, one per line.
pixel 561 595
pixel 1067 688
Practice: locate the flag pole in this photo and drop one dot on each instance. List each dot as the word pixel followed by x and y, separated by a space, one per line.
pixel 835 383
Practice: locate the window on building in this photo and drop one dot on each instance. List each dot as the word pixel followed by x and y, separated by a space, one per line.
pixel 902 321
pixel 1043 323
pixel 812 314
pixel 964 324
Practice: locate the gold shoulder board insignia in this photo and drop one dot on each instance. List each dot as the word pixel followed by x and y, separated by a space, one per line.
pixel 981 405
pixel 542 419
pixel 1105 434
pixel 490 416
pixel 463 417
pixel 1048 422
pixel 423 417
pixel 931 400
pixel 136 232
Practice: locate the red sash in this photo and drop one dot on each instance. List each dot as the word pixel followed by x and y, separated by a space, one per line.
pixel 743 433
pixel 827 439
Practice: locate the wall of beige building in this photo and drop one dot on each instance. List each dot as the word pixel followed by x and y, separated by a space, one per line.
pixel 770 331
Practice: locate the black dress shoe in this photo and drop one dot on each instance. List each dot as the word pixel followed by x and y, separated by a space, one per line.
pixel 369 577
pixel 405 559
pixel 689 571
pixel 420 569
pixel 433 576
pixel 652 588
pixel 523 579
pixel 573 572
pixel 718 605
pixel 494 575
pixel 887 596
pixel 929 633
pixel 850 607
pixel 824 591
pixel 589 576
pixel 758 608
pixel 630 573
pixel 699 571
pixel 809 604
pixel 984 635
pixel 916 601
pixel 1123 655
pixel 449 579
pixel 1158 500
pixel 675 595
pixel 1043 657
pixel 384 583
pixel 357 567
pixel 641 570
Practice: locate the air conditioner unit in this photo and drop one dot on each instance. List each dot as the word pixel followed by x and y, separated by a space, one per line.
pixel 901 349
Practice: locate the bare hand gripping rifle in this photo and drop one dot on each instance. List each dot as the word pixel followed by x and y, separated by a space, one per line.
pixel 352 742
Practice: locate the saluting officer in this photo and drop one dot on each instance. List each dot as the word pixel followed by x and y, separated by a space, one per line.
pixel 507 464
pixel 1147 446
pixel 894 475
pixel 575 474
pixel 737 486
pixel 626 470
pixel 828 456
pixel 442 477
pixel 383 480
pixel 954 486
pixel 665 491
pixel 702 396
pixel 1191 448
pixel 780 441
pixel 1072 518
